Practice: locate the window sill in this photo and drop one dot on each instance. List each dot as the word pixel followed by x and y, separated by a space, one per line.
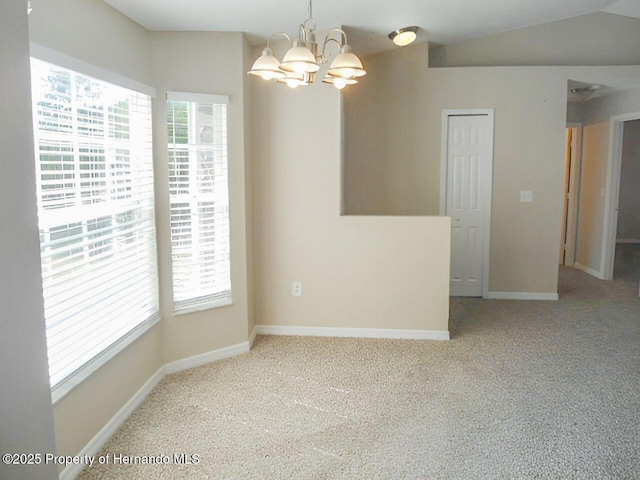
pixel 65 386
pixel 210 305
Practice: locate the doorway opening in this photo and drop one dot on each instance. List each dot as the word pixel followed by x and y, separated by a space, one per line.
pixel 621 242
pixel 626 265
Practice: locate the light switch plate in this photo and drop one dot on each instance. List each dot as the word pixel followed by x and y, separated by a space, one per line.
pixel 526 196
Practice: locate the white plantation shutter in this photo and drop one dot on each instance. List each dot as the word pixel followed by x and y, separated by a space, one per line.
pixel 199 199
pixel 95 214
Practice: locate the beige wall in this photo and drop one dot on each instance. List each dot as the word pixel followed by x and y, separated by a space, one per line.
pixel 26 416
pixel 629 206
pixel 202 62
pixel 248 59
pixel 191 62
pixel 113 42
pixel 530 117
pixel 384 135
pixel 89 406
pixel 596 116
pixel 530 112
pixel 593 39
pixel 366 272
pixel 94 32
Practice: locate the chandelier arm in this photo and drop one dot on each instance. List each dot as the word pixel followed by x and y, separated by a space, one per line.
pixel 342 33
pixel 302 33
pixel 279 33
pixel 328 40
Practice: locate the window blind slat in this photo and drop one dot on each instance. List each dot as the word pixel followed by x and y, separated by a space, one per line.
pixel 95 212
pixel 199 201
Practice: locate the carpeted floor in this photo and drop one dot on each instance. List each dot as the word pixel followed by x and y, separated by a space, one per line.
pixel 524 390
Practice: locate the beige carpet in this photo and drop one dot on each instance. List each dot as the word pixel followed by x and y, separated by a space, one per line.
pixel 524 390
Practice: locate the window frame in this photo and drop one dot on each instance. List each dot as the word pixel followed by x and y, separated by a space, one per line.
pixel 207 302
pixel 70 381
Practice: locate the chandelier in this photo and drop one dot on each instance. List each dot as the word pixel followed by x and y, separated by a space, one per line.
pixel 302 61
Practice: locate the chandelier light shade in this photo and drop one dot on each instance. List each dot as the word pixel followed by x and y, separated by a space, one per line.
pixel 346 65
pixel 302 61
pixel 267 66
pixel 299 59
pixel 404 36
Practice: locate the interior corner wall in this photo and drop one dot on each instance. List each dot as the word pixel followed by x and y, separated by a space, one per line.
pixel 357 272
pixel 95 33
pixel 248 59
pixel 384 142
pixel 595 157
pixel 26 415
pixel 593 39
pixel 529 140
pixel 203 62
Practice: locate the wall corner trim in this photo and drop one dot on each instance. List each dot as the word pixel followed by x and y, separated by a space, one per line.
pixel 352 332
pixel 252 337
pixel 591 271
pixel 521 296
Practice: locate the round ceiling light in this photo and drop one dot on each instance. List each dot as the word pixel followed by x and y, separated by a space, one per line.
pixel 404 36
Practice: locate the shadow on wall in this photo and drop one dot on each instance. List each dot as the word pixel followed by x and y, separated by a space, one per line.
pixel 383 139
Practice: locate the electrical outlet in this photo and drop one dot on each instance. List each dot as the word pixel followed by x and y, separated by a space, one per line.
pixel 296 289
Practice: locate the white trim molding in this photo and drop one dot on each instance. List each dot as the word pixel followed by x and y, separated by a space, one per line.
pixel 208 357
pixel 252 337
pixel 352 332
pixel 521 296
pixel 612 192
pixel 101 438
pixel 105 433
pixel 591 271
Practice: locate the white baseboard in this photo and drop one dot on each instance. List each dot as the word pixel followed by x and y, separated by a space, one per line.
pixel 97 442
pixel 628 240
pixel 589 270
pixel 352 332
pixel 208 357
pixel 521 296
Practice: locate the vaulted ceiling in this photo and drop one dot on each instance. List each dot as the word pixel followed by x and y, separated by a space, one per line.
pixel 441 21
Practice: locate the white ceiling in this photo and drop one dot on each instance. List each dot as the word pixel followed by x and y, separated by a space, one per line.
pixel 441 21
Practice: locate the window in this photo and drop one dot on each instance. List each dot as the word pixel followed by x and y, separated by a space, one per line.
pixel 96 217
pixel 199 199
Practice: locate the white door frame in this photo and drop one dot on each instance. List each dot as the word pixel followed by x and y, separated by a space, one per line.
pixel 612 195
pixel 486 206
pixel 574 192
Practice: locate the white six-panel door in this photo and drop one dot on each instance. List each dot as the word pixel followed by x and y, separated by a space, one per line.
pixel 469 170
